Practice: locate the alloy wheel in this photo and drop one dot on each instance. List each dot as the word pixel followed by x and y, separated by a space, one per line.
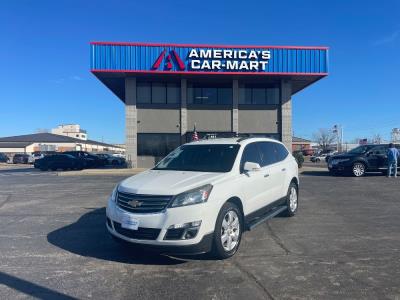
pixel 293 199
pixel 358 169
pixel 230 231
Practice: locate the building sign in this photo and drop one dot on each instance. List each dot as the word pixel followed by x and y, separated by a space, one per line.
pixel 215 60
pixel 218 59
pixel 228 59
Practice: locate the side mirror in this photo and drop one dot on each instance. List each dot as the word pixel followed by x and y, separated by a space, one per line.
pixel 251 166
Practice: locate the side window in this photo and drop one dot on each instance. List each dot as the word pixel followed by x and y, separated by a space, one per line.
pixel 268 153
pixel 379 150
pixel 281 151
pixel 250 154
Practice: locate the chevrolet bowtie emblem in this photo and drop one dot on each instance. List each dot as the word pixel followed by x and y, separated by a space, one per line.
pixel 135 203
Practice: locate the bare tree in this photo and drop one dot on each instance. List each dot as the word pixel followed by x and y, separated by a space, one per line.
pixel 324 137
pixel 377 138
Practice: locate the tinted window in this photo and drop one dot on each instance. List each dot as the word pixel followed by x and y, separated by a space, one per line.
pixel 200 158
pixel 281 151
pixel 268 153
pixel 224 95
pixel 250 154
pixel 259 96
pixel 173 93
pixel 256 94
pixel 143 92
pixel 361 149
pixel 158 93
pixel 379 150
pixel 157 144
pixel 209 94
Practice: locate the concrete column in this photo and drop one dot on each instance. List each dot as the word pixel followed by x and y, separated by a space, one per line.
pixel 131 122
pixel 285 118
pixel 235 106
pixel 183 124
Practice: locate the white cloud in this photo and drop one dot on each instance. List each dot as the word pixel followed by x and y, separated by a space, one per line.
pixel 62 80
pixel 388 39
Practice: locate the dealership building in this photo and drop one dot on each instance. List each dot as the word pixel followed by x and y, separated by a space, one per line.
pixel 170 90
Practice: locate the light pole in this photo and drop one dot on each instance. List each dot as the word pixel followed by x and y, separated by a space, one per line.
pixel 338 130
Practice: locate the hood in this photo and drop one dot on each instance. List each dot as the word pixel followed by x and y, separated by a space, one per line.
pixel 163 182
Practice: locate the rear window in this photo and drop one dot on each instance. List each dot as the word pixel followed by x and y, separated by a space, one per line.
pixel 281 151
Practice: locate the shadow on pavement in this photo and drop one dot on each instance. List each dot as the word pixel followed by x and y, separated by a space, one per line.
pixel 30 288
pixel 326 173
pixel 89 237
pixel 316 173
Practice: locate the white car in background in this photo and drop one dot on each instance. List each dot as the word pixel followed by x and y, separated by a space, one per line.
pixel 204 195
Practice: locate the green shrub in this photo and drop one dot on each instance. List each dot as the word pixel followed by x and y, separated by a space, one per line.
pixel 298 155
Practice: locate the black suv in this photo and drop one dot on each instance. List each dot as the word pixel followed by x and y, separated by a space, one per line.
pixel 20 158
pixel 3 157
pixel 365 158
pixel 88 160
pixel 58 161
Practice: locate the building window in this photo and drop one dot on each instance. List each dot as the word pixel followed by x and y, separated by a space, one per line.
pixel 157 144
pixel 173 93
pixel 249 94
pixel 208 94
pixel 143 92
pixel 158 92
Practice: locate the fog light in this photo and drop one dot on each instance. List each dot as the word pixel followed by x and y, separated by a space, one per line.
pixel 191 233
pixel 185 225
pixel 183 231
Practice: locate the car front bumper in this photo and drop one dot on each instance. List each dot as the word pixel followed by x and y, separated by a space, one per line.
pixel 339 167
pixel 157 225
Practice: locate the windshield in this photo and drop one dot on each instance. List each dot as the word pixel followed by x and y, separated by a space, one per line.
pixel 200 158
pixel 361 149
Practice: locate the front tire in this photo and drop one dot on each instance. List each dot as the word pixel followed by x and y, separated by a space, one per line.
pixel 292 200
pixel 228 231
pixel 358 169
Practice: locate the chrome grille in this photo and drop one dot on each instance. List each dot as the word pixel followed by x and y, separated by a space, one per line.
pixel 135 203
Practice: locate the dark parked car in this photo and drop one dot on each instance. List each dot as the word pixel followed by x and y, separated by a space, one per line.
pixel 21 159
pixel 3 157
pixel 58 161
pixel 365 158
pixel 111 160
pixel 88 160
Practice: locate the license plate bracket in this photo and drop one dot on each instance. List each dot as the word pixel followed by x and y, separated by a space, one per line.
pixel 129 222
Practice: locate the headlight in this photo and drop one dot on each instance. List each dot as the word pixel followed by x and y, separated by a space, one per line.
pixel 114 193
pixel 195 196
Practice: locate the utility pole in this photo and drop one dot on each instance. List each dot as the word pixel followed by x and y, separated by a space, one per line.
pixel 338 130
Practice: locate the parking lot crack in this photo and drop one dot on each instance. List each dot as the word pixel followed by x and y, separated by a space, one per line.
pixel 276 239
pixel 8 198
pixel 253 278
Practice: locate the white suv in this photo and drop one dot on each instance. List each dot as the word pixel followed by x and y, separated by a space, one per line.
pixel 204 195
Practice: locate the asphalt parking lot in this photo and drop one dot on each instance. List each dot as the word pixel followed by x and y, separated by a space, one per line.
pixel 343 244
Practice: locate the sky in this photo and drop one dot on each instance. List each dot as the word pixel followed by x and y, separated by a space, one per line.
pixel 44 57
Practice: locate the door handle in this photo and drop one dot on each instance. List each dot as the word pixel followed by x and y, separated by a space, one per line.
pixel 284 169
pixel 266 175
